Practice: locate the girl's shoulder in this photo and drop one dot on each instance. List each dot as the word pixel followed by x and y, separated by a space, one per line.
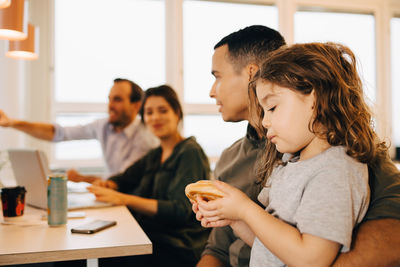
pixel 336 165
pixel 333 162
pixel 330 158
pixel 337 156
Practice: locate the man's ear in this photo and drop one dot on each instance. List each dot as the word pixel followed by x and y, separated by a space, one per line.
pixel 251 70
pixel 136 105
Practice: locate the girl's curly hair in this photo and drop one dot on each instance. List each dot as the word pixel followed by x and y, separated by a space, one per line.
pixel 330 70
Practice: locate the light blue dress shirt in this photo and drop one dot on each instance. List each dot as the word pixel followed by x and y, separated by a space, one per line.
pixel 121 149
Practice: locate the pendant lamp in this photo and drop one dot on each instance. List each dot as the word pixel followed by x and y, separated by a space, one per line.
pixel 14 21
pixel 5 3
pixel 25 49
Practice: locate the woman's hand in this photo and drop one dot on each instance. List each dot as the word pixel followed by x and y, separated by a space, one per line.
pixel 107 195
pixel 105 183
pixel 225 210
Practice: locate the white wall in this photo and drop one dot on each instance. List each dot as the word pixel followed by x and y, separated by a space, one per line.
pixel 25 89
pixel 38 74
pixel 12 86
pixel 11 101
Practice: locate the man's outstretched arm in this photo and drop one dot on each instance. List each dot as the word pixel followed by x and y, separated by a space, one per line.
pixel 376 243
pixel 39 130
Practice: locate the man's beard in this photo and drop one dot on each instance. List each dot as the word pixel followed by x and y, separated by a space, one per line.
pixel 122 121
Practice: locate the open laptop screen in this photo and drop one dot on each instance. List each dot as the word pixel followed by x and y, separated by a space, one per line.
pixel 30 169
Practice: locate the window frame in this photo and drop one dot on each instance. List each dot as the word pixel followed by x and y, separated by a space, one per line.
pixel 383 11
pixel 394 13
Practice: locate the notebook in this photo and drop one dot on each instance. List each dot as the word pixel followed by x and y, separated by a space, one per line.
pixel 31 170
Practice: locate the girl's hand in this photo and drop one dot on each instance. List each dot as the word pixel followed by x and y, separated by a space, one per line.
pixel 107 195
pixel 195 208
pixel 223 211
pixel 200 217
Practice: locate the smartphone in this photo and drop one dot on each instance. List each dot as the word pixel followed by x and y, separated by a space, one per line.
pixel 93 227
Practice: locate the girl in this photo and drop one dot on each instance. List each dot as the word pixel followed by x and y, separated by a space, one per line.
pixel 310 103
pixel 153 187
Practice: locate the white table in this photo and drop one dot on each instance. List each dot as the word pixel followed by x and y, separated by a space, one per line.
pixel 41 243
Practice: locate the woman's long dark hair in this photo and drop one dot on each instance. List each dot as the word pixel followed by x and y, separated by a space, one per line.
pixel 328 69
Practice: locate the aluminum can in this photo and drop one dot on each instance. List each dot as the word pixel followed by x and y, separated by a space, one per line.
pixel 57 200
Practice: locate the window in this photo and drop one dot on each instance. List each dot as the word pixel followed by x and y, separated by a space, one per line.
pixel 341 27
pixel 127 39
pixel 395 59
pixel 212 133
pixel 87 149
pixel 204 24
pixel 124 39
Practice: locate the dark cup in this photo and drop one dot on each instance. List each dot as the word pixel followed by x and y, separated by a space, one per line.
pixel 13 201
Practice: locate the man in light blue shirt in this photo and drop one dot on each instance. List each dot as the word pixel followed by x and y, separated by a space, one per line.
pixel 123 138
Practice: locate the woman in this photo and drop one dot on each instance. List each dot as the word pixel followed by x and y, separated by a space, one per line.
pixel 153 187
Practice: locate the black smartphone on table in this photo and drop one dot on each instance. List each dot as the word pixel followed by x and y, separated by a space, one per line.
pixel 93 227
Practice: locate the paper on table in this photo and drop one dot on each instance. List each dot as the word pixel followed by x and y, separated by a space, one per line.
pixel 80 187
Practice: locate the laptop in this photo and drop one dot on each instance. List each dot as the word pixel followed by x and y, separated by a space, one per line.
pixel 31 170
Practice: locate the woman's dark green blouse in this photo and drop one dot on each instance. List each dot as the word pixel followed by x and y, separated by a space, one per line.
pixel 175 224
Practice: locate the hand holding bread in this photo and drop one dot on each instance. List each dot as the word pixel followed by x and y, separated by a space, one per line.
pixel 230 203
pixel 203 188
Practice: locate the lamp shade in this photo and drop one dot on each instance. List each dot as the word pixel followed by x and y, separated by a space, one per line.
pixel 5 3
pixel 13 23
pixel 25 49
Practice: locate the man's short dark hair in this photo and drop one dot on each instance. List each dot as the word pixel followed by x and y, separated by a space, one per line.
pixel 136 90
pixel 251 45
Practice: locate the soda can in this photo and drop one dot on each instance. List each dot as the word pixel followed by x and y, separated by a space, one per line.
pixel 57 200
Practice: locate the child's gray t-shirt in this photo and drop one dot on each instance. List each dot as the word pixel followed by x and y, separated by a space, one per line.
pixel 325 196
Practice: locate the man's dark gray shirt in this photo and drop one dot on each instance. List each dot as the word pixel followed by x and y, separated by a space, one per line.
pixel 236 166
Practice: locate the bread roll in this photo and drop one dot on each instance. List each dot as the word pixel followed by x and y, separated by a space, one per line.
pixel 203 188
